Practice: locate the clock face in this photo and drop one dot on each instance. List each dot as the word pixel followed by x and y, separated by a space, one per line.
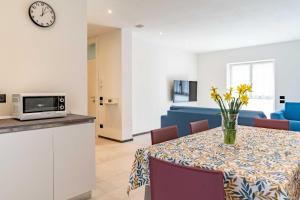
pixel 42 14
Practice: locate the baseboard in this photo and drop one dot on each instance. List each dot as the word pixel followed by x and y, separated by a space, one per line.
pixel 123 141
pixel 6 117
pixel 139 134
pixel 84 196
pixel 115 140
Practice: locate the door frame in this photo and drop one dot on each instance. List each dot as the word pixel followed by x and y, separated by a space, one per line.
pixel 97 101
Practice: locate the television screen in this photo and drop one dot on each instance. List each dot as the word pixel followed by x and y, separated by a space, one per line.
pixel 181 91
pixel 184 91
pixel 193 91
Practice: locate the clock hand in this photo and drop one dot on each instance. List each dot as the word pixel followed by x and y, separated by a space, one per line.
pixel 43 12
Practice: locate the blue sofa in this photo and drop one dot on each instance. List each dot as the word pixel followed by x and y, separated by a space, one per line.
pixel 183 115
pixel 291 112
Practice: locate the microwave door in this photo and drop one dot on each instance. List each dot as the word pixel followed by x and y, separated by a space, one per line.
pixel 40 104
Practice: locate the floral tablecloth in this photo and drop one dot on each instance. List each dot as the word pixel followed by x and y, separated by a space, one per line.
pixel 264 164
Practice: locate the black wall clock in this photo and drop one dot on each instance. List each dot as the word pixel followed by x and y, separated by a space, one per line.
pixel 42 14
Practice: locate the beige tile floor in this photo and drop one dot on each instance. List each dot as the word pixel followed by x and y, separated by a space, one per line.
pixel 113 164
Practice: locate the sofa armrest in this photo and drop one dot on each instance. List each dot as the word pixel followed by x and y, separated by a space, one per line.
pixel 278 115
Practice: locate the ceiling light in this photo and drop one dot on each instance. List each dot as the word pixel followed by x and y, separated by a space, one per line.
pixel 109 11
pixel 160 33
pixel 139 26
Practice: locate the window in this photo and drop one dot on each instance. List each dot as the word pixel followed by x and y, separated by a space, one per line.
pixel 91 51
pixel 260 74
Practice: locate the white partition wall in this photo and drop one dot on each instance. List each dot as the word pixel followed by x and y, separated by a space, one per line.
pixel 35 59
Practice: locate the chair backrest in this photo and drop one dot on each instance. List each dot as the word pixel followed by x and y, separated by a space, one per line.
pixel 171 181
pixel 198 126
pixel 272 124
pixel 164 134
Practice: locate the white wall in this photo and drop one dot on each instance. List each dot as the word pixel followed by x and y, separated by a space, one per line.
pixel 154 69
pixel 34 59
pixel 126 84
pixel 212 69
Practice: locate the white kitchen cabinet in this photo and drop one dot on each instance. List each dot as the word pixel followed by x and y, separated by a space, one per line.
pixel 26 165
pixel 55 162
pixel 74 160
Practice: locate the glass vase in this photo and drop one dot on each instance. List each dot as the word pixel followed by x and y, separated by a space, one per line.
pixel 229 127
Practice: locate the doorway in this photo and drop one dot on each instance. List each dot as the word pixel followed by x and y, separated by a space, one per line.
pixel 102 48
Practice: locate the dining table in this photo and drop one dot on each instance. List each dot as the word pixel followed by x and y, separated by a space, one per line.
pixel 262 164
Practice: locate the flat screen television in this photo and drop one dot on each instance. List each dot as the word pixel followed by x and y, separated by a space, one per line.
pixel 184 91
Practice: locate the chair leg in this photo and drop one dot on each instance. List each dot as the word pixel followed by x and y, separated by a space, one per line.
pixel 147 193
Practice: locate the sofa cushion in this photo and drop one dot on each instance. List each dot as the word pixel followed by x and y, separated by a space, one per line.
pixel 292 111
pixel 252 114
pixel 182 119
pixel 216 111
pixel 294 125
pixel 194 108
pixel 203 111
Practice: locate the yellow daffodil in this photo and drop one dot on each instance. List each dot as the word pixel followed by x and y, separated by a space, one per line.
pixel 214 89
pixel 228 96
pixel 214 96
pixel 243 88
pixel 214 93
pixel 244 99
pixel 230 90
pixel 249 88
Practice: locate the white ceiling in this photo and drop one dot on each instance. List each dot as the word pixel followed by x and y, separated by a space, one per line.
pixel 203 25
pixel 95 30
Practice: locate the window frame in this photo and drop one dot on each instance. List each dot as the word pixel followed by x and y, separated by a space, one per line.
pixel 251 63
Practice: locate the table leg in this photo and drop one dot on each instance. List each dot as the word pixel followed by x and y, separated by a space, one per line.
pixel 147 193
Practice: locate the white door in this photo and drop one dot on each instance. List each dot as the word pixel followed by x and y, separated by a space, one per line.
pixel 92 87
pixel 26 168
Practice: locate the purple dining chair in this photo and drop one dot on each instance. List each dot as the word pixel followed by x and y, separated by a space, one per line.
pixel 272 124
pixel 164 134
pixel 175 182
pixel 198 126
